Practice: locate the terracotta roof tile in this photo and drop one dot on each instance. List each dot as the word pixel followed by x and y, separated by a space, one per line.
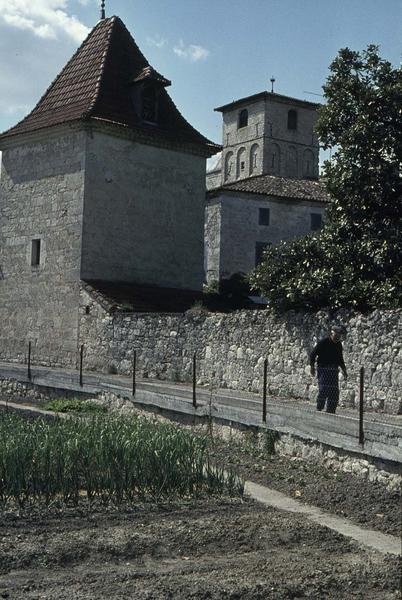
pixel 151 74
pixel 283 187
pixel 95 84
pixel 140 298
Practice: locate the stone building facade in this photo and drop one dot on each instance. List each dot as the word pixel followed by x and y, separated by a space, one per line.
pixel 104 181
pixel 265 188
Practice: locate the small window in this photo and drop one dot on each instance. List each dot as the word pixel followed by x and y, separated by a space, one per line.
pixel 259 251
pixel 242 165
pixel 292 119
pixel 243 118
pixel 149 104
pixel 263 216
pixel 35 253
pixel 316 221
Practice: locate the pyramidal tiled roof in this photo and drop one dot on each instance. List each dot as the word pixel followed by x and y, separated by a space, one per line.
pixel 95 84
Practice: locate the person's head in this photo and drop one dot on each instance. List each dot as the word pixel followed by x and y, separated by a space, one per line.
pixel 337 333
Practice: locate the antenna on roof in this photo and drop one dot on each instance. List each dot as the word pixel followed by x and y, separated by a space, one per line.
pixel 103 9
pixel 272 80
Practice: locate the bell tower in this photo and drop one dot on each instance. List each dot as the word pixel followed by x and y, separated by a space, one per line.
pixel 269 134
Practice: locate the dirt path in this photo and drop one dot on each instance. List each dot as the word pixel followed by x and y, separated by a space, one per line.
pixel 212 549
pixel 375 540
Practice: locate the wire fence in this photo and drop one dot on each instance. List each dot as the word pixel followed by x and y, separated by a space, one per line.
pixel 327 378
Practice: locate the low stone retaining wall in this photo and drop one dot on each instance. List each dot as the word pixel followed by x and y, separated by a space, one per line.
pixel 231 349
pixel 14 391
pixel 373 470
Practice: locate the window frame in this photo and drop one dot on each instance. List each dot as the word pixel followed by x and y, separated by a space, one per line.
pixel 267 212
pixel 292 119
pixel 242 120
pixel 36 252
pixel 259 249
pixel 315 227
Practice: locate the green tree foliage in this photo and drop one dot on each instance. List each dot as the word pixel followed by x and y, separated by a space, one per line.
pixel 356 258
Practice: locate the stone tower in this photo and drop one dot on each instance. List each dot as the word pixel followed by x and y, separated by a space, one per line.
pixel 103 181
pixel 268 134
pixel 265 188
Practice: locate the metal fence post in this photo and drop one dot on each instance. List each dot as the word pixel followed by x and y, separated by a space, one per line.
pixel 81 361
pixel 264 392
pixel 29 361
pixel 361 407
pixel 194 380
pixel 134 370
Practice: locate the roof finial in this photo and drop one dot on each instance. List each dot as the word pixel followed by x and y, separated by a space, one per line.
pixel 272 80
pixel 103 9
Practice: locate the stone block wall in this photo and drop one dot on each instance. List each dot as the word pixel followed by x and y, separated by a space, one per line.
pixel 231 349
pixel 143 214
pixel 233 230
pixel 41 198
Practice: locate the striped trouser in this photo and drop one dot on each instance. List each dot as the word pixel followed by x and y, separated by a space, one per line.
pixel 328 388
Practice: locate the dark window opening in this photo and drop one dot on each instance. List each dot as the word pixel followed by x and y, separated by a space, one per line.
pixel 263 216
pixel 87 310
pixel 149 104
pixel 292 119
pixel 35 253
pixel 316 221
pixel 242 165
pixel 259 251
pixel 243 118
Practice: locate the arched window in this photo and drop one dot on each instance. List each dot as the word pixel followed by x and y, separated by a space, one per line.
pixel 274 159
pixel 254 158
pixel 292 119
pixel 149 103
pixel 243 118
pixel 241 163
pixel 228 166
pixel 291 162
pixel 308 164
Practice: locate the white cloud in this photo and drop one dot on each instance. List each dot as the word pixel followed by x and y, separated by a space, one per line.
pixel 191 52
pixel 44 18
pixel 157 41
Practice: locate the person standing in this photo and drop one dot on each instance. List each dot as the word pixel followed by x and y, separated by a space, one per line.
pixel 329 356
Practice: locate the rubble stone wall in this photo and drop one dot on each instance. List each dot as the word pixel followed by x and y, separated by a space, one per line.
pixel 231 349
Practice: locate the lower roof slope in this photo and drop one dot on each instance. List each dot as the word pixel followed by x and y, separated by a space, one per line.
pixel 283 187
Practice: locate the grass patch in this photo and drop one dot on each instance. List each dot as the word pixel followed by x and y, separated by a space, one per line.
pixel 74 405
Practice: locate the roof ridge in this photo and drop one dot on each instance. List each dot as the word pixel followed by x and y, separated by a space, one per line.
pixel 86 114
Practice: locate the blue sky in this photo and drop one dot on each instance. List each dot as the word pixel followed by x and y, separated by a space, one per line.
pixel 212 51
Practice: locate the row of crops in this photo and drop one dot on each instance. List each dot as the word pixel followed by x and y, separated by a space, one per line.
pixel 116 459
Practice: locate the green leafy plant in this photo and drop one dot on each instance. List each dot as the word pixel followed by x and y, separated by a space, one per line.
pixel 355 260
pixel 74 405
pixel 113 459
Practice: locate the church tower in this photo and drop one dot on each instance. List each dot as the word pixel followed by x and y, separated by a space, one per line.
pixel 268 134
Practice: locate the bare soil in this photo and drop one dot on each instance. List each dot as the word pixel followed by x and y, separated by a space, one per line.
pixel 212 549
pixel 368 504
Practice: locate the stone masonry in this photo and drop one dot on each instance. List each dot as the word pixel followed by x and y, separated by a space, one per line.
pixel 231 349
pixel 233 230
pixel 41 193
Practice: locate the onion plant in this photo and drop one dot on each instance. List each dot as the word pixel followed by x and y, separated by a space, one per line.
pixel 118 459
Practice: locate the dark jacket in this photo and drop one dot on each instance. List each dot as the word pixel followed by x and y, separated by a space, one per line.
pixel 327 353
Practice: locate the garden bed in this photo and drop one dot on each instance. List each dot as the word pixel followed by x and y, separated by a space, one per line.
pixel 214 549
